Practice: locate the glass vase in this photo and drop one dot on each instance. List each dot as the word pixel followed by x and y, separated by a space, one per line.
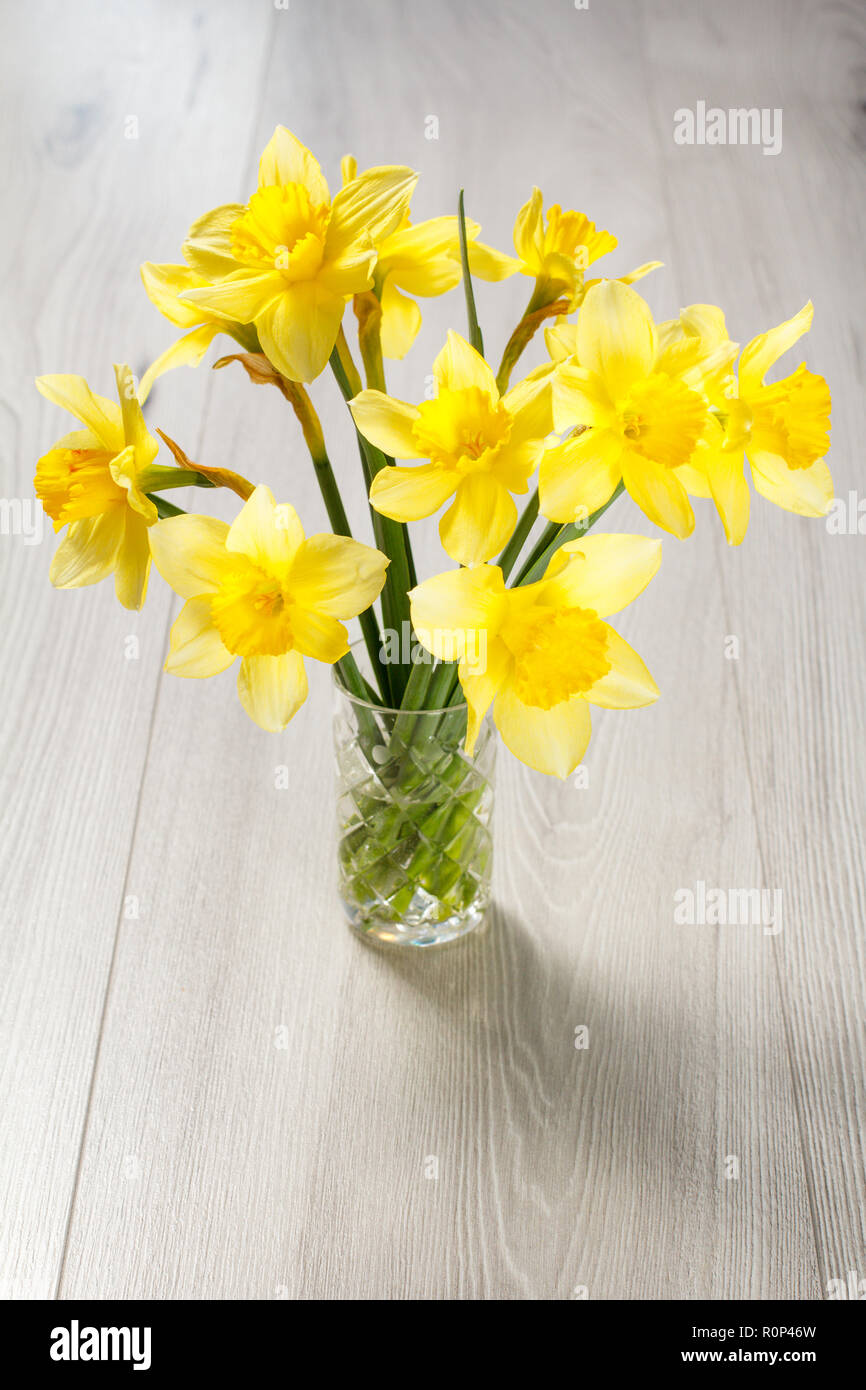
pixel 414 837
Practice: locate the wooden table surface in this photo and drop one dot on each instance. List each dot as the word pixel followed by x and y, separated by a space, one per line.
pixel 209 1087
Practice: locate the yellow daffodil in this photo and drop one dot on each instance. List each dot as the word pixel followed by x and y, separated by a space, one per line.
pixel 164 285
pixel 481 448
pixel 262 591
pixel 557 251
pixel 290 259
pixel 642 410
pixel 783 428
pixel 694 346
pixel 547 652
pixel 422 261
pixel 561 340
pixel 425 260
pixel 696 349
pixel 94 481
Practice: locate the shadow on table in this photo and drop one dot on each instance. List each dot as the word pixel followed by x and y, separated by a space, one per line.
pixel 546 1155
pixel 564 1048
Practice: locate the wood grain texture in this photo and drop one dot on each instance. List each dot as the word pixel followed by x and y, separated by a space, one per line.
pixel 806 634
pixel 88 205
pixel 228 1095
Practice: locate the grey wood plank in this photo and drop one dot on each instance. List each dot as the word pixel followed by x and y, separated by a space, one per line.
pixel 794 225
pixel 84 205
pixel 218 1163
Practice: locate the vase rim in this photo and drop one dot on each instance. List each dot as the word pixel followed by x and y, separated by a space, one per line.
pixel 359 646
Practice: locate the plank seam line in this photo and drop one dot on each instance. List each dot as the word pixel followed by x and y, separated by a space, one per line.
pixel 85 1127
pixel 106 997
pixel 775 954
pixel 807 1171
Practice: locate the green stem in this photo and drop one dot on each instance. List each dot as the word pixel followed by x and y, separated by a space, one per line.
pixel 164 507
pixel 369 314
pixel 340 526
pixel 415 694
pixel 509 555
pixel 391 536
pixel 314 438
pixel 157 478
pixel 348 378
pixel 555 535
pixel 443 685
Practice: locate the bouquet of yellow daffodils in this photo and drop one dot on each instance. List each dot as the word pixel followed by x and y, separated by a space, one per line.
pixel 520 624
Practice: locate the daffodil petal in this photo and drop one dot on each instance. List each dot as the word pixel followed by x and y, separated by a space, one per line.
pixel 272 688
pixel 408 494
pixel 336 576
pixel 693 480
pixel 483 673
pixel 285 160
pixel 489 264
pixel 351 272
pixel 550 740
pixel 577 477
pixel 240 298
pixel 132 562
pixel 514 464
pixel 164 283
pixel 190 553
pixel 451 610
pixel 134 429
pixel 561 339
pixel 268 534
pixel 184 352
pixel 616 336
pixel 299 328
pixel 458 366
pixel 387 423
pixel 208 246
pixel 479 521
pixel 806 491
pixel 602 573
pixel 410 248
pixel 373 205
pixel 401 321
pixel 565 278
pixel 102 417
pixel 759 355
pixel 88 551
pixel 659 494
pixel 628 684
pixel 530 406
pixel 705 321
pixel 424 259
pixel 529 234
pixel 580 397
pixel 195 647
pixel 318 636
pixel 639 272
pixel 730 492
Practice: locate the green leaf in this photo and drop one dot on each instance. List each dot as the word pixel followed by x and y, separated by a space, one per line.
pixel 474 331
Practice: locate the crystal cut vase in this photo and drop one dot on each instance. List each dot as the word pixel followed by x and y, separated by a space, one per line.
pixel 413 821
